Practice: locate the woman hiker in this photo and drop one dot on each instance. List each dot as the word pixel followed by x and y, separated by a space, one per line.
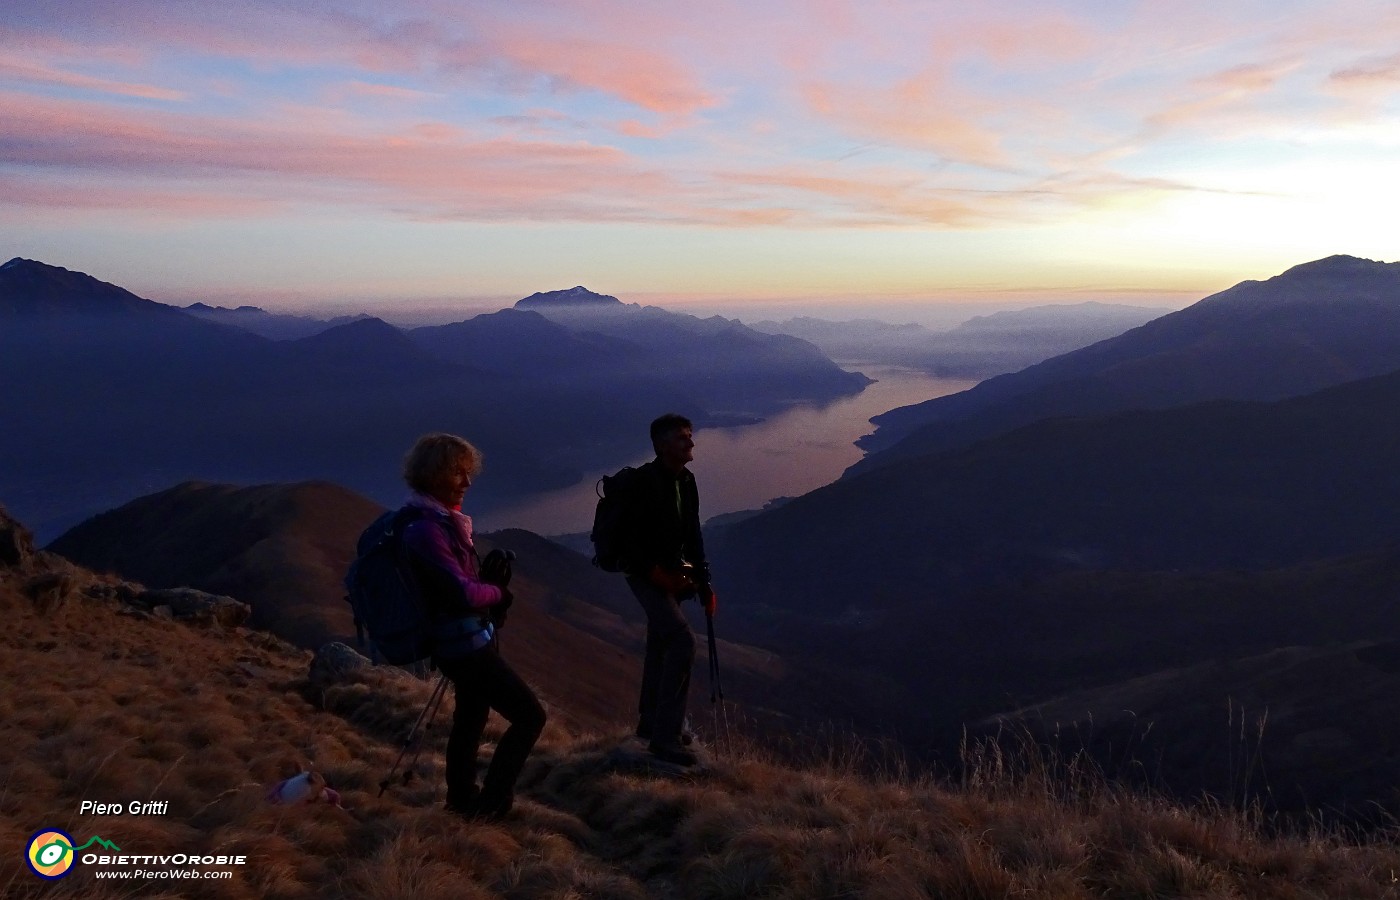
pixel 442 556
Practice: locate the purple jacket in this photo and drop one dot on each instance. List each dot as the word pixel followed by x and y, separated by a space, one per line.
pixel 443 557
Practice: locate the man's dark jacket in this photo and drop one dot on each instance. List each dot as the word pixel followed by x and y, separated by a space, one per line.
pixel 659 534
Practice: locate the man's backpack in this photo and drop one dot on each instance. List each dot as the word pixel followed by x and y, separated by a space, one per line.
pixel 612 519
pixel 384 594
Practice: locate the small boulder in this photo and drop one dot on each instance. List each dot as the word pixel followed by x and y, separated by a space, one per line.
pixel 198 607
pixel 121 592
pixel 334 661
pixel 51 590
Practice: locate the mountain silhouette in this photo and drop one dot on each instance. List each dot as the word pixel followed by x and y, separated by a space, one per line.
pixel 34 289
pixel 1317 324
pixel 373 346
pixel 280 548
pixel 572 298
pixel 169 397
pixel 727 365
pixel 523 343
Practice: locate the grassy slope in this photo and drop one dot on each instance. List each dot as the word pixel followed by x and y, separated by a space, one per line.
pixel 106 706
pixel 284 549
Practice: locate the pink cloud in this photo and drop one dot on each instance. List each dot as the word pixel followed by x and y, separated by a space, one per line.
pixel 426 171
pixel 1024 42
pixel 1374 73
pixel 382 91
pixel 898 200
pixel 431 171
pixel 1232 93
pixel 474 42
pixel 636 75
pixel 925 112
pixel 76 200
pixel 755 87
pixel 42 74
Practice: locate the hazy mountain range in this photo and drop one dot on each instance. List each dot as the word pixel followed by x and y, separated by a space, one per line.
pixel 1316 325
pixel 275 326
pixel 114 396
pixel 981 347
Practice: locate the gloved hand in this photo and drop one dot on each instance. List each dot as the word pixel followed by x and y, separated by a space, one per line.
pixel 673 581
pixel 709 600
pixel 496 569
pixel 499 611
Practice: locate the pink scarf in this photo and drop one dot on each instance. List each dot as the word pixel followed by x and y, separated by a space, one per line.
pixel 460 520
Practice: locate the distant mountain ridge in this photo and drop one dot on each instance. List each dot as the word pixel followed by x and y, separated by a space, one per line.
pixel 570 298
pixel 982 347
pixel 171 397
pixel 274 326
pixel 723 361
pixel 522 342
pixel 1315 325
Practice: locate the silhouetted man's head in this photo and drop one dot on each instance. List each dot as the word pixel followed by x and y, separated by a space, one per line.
pixel 671 437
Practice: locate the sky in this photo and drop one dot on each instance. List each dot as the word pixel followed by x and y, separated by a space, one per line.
pixel 339 155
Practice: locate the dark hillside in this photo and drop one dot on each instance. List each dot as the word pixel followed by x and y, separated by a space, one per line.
pixel 1211 486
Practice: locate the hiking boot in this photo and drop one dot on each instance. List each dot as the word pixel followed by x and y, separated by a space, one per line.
pixel 469 811
pixel 477 812
pixel 466 804
pixel 673 753
pixel 687 736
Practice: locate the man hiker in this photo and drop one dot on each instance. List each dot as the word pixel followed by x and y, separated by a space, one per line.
pixel 665 566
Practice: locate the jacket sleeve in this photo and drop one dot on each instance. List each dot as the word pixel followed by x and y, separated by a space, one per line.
pixel 453 586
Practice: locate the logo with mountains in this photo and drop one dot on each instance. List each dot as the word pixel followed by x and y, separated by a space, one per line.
pixel 51 854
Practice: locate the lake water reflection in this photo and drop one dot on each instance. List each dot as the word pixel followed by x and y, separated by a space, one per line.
pixel 746 466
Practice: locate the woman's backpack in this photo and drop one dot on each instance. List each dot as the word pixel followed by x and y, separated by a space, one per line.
pixel 384 595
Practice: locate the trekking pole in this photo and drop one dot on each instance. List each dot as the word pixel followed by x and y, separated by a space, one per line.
pixel 716 690
pixel 418 750
pixel 429 712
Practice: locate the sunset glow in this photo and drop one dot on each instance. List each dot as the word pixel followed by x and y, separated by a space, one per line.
pixel 337 153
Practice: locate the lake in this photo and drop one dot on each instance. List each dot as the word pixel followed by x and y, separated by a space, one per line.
pixel 745 466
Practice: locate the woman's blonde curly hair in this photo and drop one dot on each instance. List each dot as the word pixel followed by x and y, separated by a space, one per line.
pixel 433 456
